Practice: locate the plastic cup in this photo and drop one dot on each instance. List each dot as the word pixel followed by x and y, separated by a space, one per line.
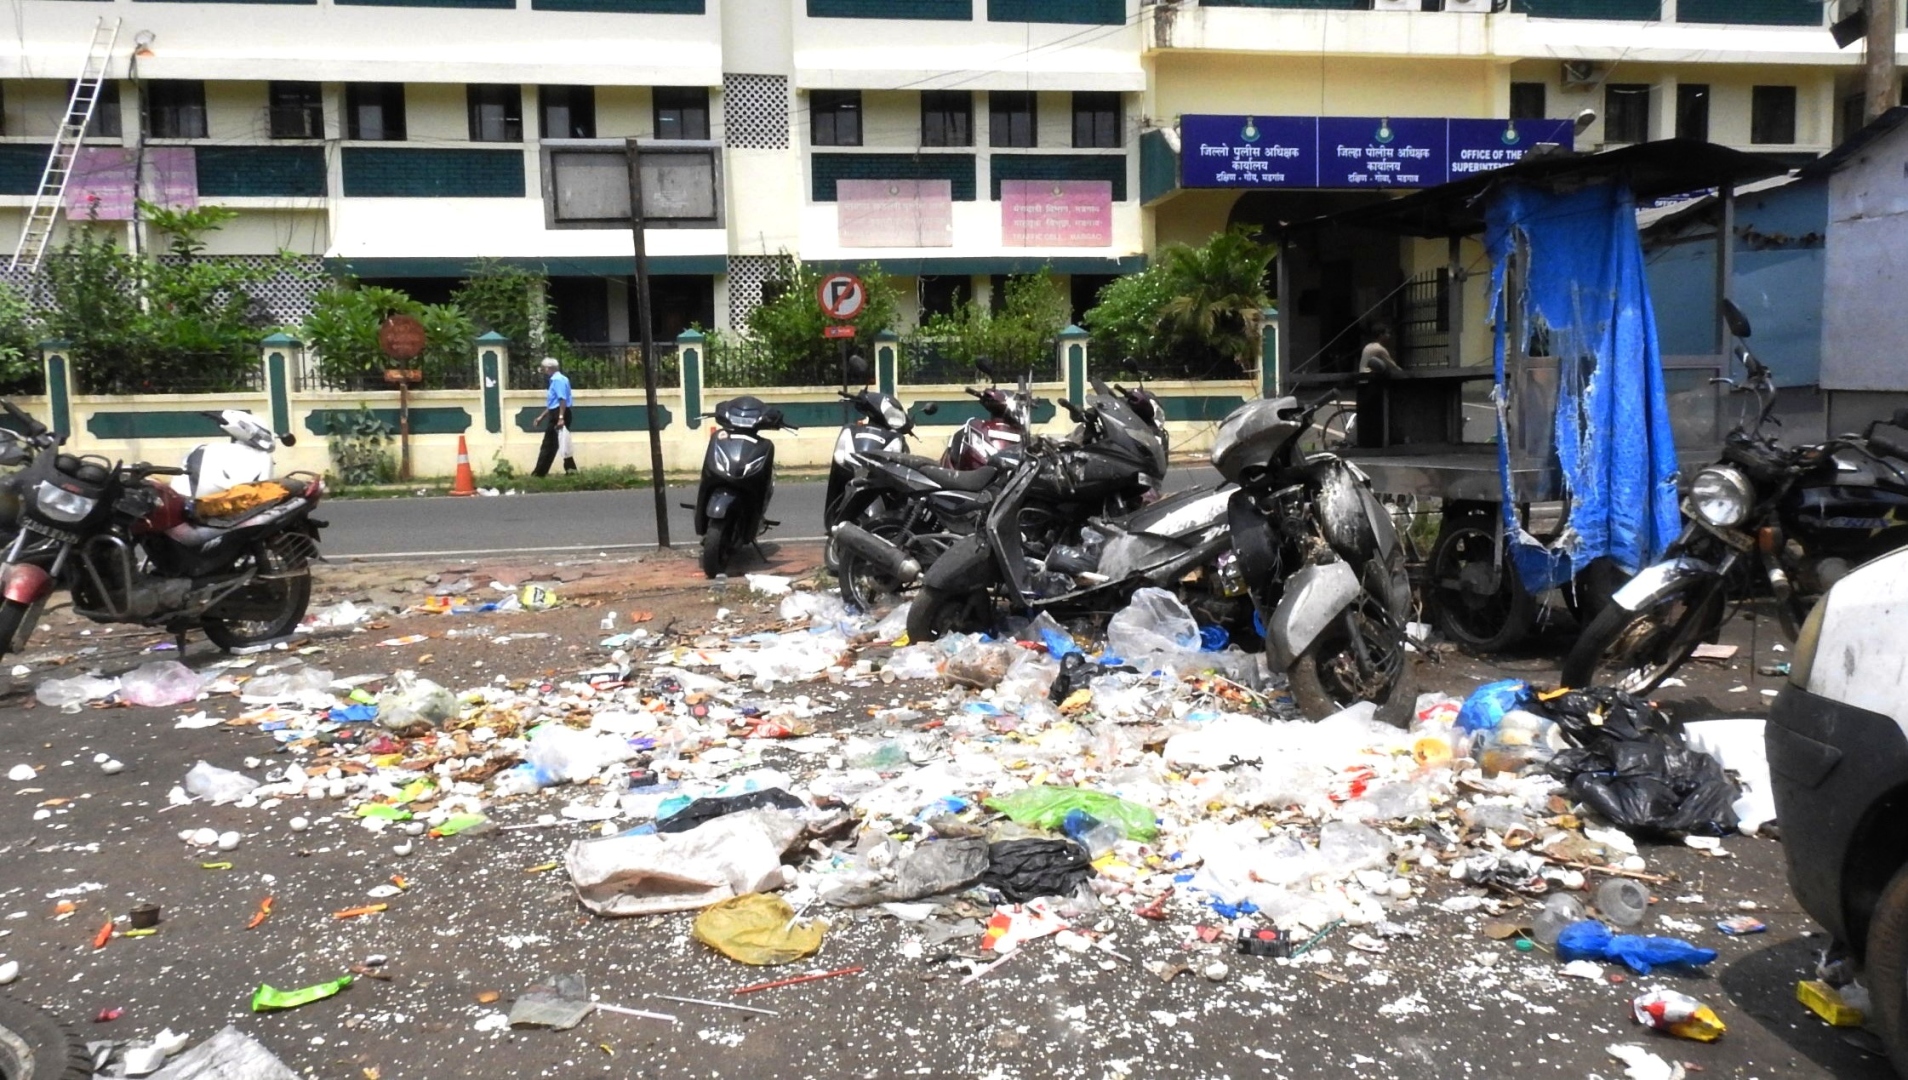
pixel 1622 901
pixel 1559 911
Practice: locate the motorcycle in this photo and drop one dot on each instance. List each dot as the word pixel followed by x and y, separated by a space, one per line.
pixel 246 458
pixel 1004 428
pixel 1114 461
pixel 128 551
pixel 884 426
pixel 738 480
pixel 1784 522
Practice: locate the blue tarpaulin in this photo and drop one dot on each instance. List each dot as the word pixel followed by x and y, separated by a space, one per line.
pixel 1586 302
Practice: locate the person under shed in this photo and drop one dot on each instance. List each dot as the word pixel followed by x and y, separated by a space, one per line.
pixel 1375 367
pixel 556 409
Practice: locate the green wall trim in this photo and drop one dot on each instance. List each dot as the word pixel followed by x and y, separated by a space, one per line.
pixel 1750 12
pixel 1159 167
pixel 580 266
pixel 1008 264
pixel 391 172
pixel 1269 354
pixel 275 383
pixel 826 168
pixel 887 359
pixel 953 412
pixel 429 3
pixel 1076 371
pixel 1082 12
pixel 150 425
pixel 1624 10
pixel 588 418
pixel 261 170
pixel 59 393
pixel 689 354
pixel 632 7
pixel 951 10
pixel 425 419
pixel 490 371
pixel 1202 408
pixel 1109 167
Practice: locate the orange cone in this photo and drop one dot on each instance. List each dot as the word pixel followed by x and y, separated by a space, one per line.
pixel 466 483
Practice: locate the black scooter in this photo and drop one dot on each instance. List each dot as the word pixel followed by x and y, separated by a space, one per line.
pixel 884 426
pixel 738 480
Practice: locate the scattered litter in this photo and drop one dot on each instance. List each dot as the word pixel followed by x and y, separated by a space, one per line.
pixel 68 695
pixel 1828 1003
pixel 758 929
pixel 267 999
pixel 160 684
pixel 1679 1014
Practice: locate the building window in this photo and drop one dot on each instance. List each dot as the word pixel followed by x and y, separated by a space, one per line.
pixel 943 294
pixel 947 118
pixel 1012 119
pixel 1692 111
pixel 297 110
pixel 1096 120
pixel 566 112
pixel 374 112
pixel 175 108
pixel 1772 115
pixel 105 123
pixel 1527 101
pixel 1626 113
pixel 496 112
pixel 682 112
pixel 834 117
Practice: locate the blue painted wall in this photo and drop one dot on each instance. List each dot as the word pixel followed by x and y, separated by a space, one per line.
pixel 1778 281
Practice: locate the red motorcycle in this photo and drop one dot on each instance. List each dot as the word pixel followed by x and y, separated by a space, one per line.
pixel 975 443
pixel 132 550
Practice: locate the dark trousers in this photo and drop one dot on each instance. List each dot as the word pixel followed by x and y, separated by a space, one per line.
pixel 547 456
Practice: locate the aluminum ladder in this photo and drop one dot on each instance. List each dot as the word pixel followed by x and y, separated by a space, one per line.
pixel 66 146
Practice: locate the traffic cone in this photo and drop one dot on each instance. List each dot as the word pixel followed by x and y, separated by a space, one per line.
pixel 466 483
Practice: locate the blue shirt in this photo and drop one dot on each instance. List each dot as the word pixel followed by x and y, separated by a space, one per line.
pixel 559 391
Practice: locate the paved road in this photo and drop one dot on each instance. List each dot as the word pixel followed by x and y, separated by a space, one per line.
pixel 564 522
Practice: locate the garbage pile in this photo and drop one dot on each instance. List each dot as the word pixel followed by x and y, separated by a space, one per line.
pixel 779 776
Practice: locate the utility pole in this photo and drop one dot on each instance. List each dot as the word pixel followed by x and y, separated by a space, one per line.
pixel 1880 58
pixel 647 336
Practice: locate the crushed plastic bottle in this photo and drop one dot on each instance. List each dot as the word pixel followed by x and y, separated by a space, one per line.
pixel 1559 910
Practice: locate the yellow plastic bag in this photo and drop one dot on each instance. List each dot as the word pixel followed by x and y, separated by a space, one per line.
pixel 757 928
pixel 237 500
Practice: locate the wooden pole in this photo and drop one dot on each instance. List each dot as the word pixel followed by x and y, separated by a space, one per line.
pixel 647 337
pixel 1880 58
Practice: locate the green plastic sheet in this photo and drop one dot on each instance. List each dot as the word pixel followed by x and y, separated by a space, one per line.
pixel 267 999
pixel 1047 807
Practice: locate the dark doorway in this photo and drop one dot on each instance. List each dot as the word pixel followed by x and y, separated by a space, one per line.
pixel 579 308
pixel 940 294
pixel 1341 282
pixel 676 303
pixel 1085 292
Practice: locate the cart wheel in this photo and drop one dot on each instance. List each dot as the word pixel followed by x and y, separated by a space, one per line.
pixel 1471 612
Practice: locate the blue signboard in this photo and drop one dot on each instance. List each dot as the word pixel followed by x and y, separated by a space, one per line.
pixel 1352 151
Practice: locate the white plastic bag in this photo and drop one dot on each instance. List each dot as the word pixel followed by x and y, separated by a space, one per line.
pixel 412 701
pixel 687 871
pixel 69 694
pixel 1154 628
pixel 565 449
pixel 161 683
pixel 289 687
pixel 209 783
pixel 564 755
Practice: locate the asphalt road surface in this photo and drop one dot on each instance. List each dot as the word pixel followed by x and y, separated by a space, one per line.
pixel 565 522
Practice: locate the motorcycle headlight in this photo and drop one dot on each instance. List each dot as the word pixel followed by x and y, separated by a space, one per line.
pixel 62 505
pixel 893 414
pixel 1722 496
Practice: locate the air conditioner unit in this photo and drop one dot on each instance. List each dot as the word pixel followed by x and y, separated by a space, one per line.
pixel 1469 7
pixel 1397 5
pixel 1579 74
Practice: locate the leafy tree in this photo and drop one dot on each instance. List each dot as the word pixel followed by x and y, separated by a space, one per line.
pixel 788 328
pixel 501 298
pixel 1016 338
pixel 343 329
pixel 1192 306
pixel 19 343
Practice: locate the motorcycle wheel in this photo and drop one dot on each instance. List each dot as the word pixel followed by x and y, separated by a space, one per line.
pixel 935 612
pixel 1332 675
pixel 12 614
pixel 717 545
pixel 1470 612
pixel 289 596
pixel 35 1046
pixel 1635 650
pixel 864 587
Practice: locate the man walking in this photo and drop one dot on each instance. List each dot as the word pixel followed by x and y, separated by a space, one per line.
pixel 556 409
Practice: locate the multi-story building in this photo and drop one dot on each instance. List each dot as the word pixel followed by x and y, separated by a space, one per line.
pixel 949 141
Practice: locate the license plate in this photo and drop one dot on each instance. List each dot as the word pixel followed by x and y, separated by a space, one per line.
pixel 48 530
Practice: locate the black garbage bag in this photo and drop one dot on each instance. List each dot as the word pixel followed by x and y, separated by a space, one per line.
pixel 1026 870
pixel 708 809
pixel 1630 764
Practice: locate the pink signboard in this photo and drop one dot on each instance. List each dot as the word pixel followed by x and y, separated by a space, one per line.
pixel 1056 213
pixel 895 213
pixel 102 182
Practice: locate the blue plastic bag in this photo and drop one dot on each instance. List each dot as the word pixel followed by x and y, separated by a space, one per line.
pixel 1059 643
pixel 1591 940
pixel 1486 706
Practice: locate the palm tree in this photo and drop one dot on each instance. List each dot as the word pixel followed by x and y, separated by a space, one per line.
pixel 1219 294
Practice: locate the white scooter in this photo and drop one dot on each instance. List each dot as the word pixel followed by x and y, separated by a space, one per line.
pixel 247 459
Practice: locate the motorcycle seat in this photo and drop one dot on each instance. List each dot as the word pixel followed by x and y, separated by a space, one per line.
pixel 968 480
pixel 895 457
pixel 277 492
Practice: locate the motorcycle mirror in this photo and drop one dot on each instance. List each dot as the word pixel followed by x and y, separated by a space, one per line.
pixel 930 409
pixel 1738 322
pixel 858 369
pixel 287 438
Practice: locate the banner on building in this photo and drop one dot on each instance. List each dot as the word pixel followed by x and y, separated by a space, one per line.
pixel 1056 213
pixel 895 213
pixel 1352 152
pixel 103 180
